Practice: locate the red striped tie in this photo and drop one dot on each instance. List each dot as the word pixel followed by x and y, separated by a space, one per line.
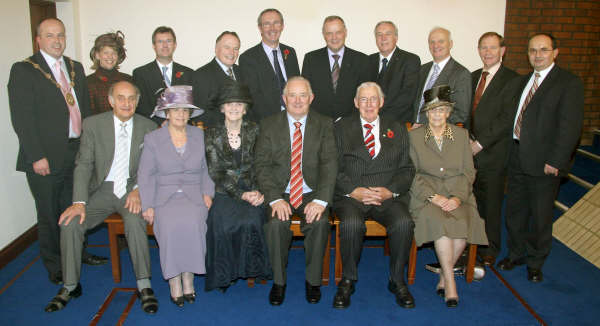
pixel 532 90
pixel 296 179
pixel 370 140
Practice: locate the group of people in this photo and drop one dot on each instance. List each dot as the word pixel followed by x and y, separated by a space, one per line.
pixel 278 142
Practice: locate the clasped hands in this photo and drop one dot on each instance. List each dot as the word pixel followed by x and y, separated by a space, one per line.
pixel 283 211
pixel 254 197
pixel 446 204
pixel 371 195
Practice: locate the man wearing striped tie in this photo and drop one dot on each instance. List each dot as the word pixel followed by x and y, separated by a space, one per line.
pixel 374 175
pixel 296 167
pixel 544 122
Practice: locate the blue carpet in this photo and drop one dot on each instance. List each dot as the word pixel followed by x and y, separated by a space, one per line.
pixel 567 296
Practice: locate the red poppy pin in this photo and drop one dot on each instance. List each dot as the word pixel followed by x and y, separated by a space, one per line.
pixel 103 78
pixel 389 134
pixel 179 74
pixel 286 52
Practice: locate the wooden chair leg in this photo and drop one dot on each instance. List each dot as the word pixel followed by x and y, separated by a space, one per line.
pixel 412 263
pixel 250 282
pixel 386 247
pixel 115 259
pixel 326 258
pixel 338 255
pixel 471 263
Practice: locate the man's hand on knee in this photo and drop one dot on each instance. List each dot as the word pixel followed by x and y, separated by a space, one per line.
pixel 313 212
pixel 133 202
pixel 77 209
pixel 281 209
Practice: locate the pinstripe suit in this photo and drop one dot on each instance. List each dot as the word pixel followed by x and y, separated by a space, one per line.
pixel 392 169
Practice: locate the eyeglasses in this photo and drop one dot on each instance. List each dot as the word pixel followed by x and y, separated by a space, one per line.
pixel 439 109
pixel 367 100
pixel 276 24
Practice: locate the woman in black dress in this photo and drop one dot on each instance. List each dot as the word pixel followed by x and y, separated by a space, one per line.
pixel 235 241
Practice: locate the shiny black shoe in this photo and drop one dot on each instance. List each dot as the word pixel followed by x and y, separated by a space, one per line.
pixel 345 289
pixel 62 298
pixel 277 294
pixel 56 278
pixel 93 260
pixel 451 302
pixel 190 298
pixel 313 293
pixel 508 264
pixel 178 301
pixel 403 297
pixel 148 301
pixel 535 275
pixel 440 292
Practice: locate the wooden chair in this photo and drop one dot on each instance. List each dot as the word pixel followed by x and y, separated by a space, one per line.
pixel 375 229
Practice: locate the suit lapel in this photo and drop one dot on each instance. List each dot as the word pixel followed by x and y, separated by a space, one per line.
pixel 356 138
pixel 108 128
pixel 286 142
pixel 137 139
pixel 394 61
pixel 326 69
pixel 445 73
pixel 156 74
pixel 544 86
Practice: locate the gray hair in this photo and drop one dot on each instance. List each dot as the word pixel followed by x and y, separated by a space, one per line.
pixel 297 78
pixel 259 19
pixel 332 18
pixel 370 84
pixel 386 22
pixel 438 28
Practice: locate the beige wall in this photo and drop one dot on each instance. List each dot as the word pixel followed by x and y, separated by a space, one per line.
pixel 18 210
pixel 197 24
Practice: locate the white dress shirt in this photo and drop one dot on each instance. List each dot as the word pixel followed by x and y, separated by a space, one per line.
pixel 169 71
pixel 129 128
pixel 332 61
pixel 389 59
pixel 225 68
pixel 269 53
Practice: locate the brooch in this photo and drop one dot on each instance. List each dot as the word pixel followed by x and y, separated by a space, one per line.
pixel 179 74
pixel 389 134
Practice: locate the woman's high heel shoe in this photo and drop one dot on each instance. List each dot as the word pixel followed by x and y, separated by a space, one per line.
pixel 190 298
pixel 451 302
pixel 178 301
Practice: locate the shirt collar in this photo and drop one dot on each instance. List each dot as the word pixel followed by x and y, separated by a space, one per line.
pixel 446 134
pixel 50 60
pixel 443 63
pixel 493 69
pixel 118 122
pixel 169 66
pixel 544 73
pixel 375 122
pixel 389 57
pixel 269 49
pixel 291 119
pixel 340 52
pixel 222 65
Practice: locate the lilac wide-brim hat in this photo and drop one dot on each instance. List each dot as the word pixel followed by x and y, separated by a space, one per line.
pixel 179 96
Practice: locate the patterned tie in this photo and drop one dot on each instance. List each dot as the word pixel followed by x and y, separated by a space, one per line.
pixel 335 71
pixel 230 73
pixel 384 62
pixel 296 173
pixel 74 113
pixel 434 77
pixel 479 91
pixel 370 140
pixel 532 90
pixel 279 74
pixel 165 76
pixel 121 163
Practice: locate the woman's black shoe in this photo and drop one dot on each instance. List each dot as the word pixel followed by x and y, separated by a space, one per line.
pixel 190 298
pixel 178 301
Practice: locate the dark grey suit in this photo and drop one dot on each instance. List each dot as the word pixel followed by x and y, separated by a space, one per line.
pixel 93 164
pixel 273 166
pixel 399 84
pixel 393 169
pixel 459 79
pixel 490 162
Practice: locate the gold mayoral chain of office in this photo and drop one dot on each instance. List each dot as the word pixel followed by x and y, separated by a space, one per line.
pixel 68 96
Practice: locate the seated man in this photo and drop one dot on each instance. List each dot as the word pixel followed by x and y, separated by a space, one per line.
pixel 374 175
pixel 105 181
pixel 295 163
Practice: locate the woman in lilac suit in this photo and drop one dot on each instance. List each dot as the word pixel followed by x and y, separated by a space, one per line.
pixel 177 191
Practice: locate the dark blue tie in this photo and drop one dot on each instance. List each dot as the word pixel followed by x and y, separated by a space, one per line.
pixel 279 76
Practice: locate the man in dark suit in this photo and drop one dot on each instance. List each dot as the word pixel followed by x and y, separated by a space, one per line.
pixel 161 72
pixel 444 70
pixel 265 76
pixel 210 78
pixel 374 176
pixel 490 150
pixel 335 71
pixel 48 98
pixel 397 73
pixel 545 119
pixel 105 182
pixel 296 167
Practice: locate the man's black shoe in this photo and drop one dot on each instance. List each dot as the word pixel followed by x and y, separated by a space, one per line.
pixel 62 298
pixel 403 297
pixel 148 301
pixel 277 294
pixel 534 275
pixel 313 293
pixel 93 260
pixel 341 300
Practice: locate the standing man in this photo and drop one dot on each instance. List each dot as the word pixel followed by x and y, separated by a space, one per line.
pixel 546 121
pixel 267 66
pixel 335 71
pixel 210 78
pixel 105 182
pixel 374 176
pixel 490 150
pixel 397 73
pixel 296 167
pixel 444 70
pixel 48 98
pixel 161 73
